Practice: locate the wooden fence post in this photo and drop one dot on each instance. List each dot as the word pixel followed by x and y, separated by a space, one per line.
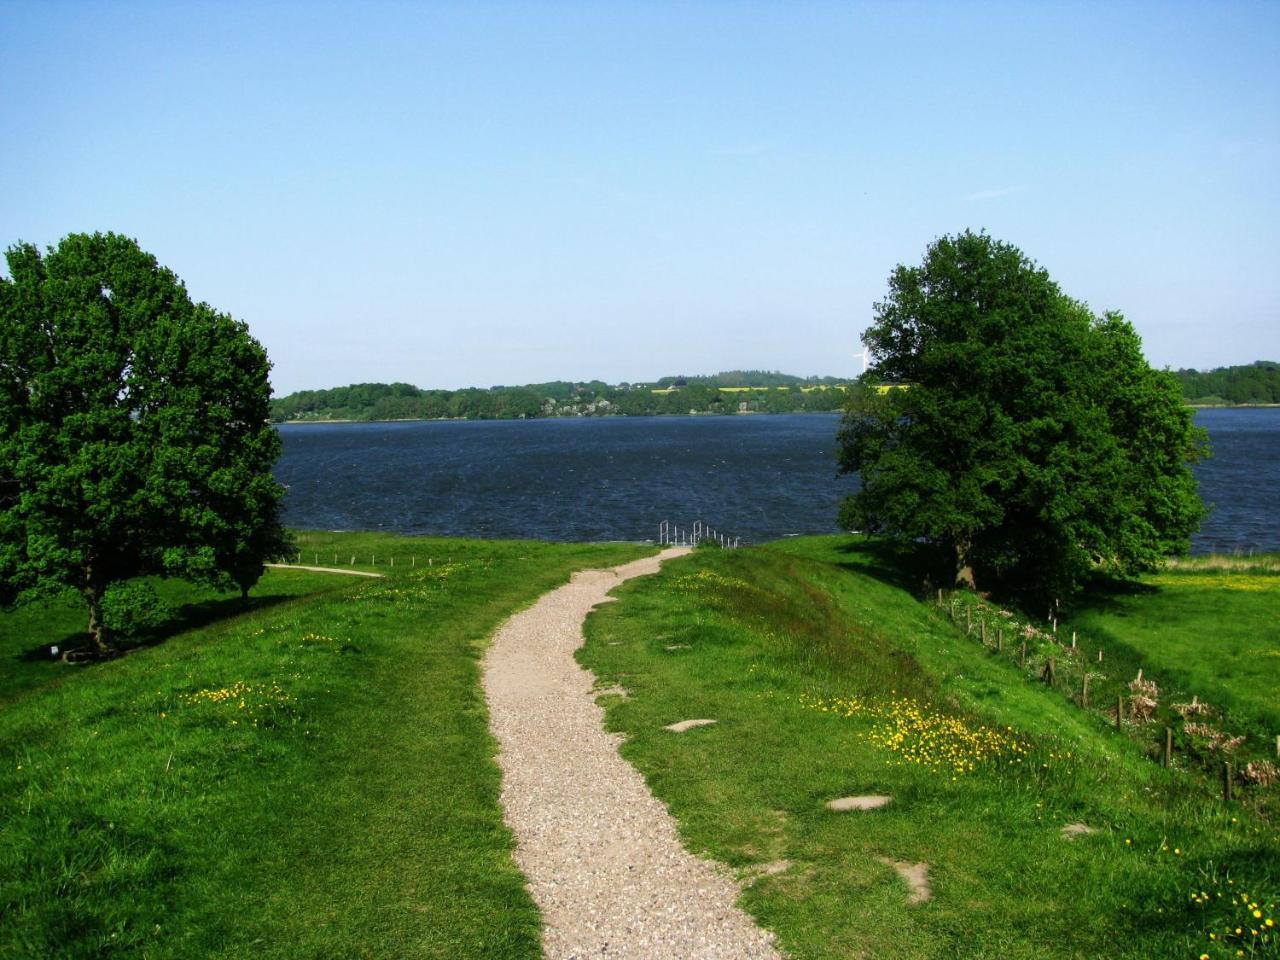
pixel 1226 782
pixel 1084 692
pixel 1168 747
pixel 1119 712
pixel 1022 657
pixel 1000 639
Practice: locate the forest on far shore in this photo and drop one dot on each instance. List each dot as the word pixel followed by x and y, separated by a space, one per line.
pixel 1257 382
pixel 733 391
pixel 742 391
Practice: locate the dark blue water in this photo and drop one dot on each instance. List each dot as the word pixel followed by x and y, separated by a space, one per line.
pixel 758 478
pixel 1240 483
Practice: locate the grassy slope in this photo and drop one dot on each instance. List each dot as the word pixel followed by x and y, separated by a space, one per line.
pixel 144 813
pixel 760 636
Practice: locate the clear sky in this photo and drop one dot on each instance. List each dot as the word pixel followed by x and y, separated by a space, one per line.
pixel 476 194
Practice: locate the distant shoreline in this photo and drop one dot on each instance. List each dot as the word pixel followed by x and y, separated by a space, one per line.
pixel 736 413
pixel 593 416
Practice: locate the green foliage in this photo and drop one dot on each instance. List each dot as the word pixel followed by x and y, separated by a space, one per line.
pixel 134 434
pixel 1034 442
pixel 1257 382
pixel 132 608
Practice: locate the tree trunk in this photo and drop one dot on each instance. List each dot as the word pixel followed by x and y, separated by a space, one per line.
pixel 964 567
pixel 98 632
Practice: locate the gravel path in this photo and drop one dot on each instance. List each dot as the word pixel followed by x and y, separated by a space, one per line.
pixel 298 566
pixel 602 856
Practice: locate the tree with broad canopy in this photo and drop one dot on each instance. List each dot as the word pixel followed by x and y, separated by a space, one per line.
pixel 133 430
pixel 1028 440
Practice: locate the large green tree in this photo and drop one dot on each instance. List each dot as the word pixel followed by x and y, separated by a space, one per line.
pixel 1025 438
pixel 133 430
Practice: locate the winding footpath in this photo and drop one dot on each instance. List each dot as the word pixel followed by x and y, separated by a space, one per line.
pixel 601 854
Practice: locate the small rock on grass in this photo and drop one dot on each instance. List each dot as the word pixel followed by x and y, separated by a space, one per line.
pixel 1072 830
pixel 684 725
pixel 869 802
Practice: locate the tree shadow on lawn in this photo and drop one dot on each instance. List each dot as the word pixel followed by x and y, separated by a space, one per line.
pixel 76 647
pixel 920 569
pixel 1106 594
pixel 912 567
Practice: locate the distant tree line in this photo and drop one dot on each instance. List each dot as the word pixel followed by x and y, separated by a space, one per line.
pixel 750 378
pixel 724 393
pixel 1257 382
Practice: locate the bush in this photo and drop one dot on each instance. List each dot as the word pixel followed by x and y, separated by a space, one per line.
pixel 132 608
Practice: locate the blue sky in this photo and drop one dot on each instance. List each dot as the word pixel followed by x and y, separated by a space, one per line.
pixel 459 194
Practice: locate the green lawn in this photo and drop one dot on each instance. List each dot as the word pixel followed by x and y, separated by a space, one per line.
pixel 1209 632
pixel 349 807
pixel 308 778
pixel 829 679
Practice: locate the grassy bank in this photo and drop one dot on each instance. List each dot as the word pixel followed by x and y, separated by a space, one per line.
pixel 828 679
pixel 310 777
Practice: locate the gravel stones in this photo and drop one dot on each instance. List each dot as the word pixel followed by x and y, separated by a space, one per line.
pixel 602 855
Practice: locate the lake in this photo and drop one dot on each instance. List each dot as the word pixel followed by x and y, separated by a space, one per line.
pixel 616 478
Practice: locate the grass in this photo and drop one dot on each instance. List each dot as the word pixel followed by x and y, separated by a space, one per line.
pixel 828 678
pixel 311 777
pixel 1181 655
pixel 1210 630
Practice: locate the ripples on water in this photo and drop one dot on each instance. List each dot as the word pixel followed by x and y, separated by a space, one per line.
pixel 757 477
pixel 1241 481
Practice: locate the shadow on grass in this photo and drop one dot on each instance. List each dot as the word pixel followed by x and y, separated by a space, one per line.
pixel 1105 594
pixel 911 567
pixel 77 647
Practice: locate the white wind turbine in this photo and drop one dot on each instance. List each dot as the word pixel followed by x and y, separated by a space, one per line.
pixel 863 354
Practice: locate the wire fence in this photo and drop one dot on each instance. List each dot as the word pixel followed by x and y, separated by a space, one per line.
pixel 674 535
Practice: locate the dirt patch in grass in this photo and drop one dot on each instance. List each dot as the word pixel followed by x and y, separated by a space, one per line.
pixel 916 877
pixel 868 802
